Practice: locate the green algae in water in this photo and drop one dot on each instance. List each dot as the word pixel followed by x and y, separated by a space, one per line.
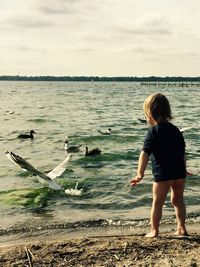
pixel 27 197
pixel 33 198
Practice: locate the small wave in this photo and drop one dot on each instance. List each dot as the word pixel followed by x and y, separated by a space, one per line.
pixel 37 120
pixel 140 223
pixel 107 157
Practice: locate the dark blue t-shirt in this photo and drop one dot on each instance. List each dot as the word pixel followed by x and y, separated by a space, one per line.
pixel 166 146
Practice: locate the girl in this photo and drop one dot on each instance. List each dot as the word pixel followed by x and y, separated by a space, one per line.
pixel 165 144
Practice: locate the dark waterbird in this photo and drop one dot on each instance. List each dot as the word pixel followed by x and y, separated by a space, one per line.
pixel 92 152
pixel 142 120
pixel 27 136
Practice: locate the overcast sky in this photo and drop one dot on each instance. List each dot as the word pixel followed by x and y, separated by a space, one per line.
pixel 100 37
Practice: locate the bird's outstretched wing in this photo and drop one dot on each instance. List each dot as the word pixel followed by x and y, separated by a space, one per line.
pixel 60 168
pixel 16 159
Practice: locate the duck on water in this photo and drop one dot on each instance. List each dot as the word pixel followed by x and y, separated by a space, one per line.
pixel 108 132
pixel 71 148
pixel 92 152
pixel 142 120
pixel 27 136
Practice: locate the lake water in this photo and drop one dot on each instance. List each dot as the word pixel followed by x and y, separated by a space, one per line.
pixel 56 110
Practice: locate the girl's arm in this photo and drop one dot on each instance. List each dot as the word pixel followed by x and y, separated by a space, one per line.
pixel 142 164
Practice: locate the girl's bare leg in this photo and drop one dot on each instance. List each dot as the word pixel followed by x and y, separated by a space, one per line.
pixel 160 190
pixel 177 200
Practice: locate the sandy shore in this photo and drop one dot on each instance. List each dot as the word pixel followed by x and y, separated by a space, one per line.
pixel 118 250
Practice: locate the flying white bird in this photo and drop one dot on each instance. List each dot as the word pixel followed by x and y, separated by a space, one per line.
pixel 49 178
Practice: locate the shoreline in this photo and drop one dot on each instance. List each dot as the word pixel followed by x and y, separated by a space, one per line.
pixel 12 236
pixel 119 250
pixel 104 248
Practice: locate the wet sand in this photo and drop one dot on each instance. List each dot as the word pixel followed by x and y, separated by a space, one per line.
pixel 116 250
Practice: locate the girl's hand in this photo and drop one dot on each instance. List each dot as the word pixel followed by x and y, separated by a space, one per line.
pixel 136 180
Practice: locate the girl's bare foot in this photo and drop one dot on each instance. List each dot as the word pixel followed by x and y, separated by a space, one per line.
pixel 152 233
pixel 182 232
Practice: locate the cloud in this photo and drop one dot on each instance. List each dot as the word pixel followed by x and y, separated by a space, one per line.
pixel 146 24
pixel 103 32
pixel 29 22
pixel 28 48
pixel 23 15
pixel 63 7
pixel 59 7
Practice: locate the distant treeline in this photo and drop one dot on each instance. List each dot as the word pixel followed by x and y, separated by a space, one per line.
pixel 99 79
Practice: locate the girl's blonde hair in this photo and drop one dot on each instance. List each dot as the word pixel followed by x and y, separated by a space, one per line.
pixel 157 106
